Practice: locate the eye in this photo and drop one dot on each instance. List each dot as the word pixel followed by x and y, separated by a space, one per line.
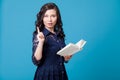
pixel 45 15
pixel 53 15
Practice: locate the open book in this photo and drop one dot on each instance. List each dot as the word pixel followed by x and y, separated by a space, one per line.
pixel 71 48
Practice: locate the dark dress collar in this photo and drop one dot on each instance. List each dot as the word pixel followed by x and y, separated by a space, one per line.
pixel 46 32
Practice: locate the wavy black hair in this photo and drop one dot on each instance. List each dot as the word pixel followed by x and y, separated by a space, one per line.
pixel 39 22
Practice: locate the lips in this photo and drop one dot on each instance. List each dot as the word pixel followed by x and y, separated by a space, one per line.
pixel 50 24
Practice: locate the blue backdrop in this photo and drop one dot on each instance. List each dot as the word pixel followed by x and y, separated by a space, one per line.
pixel 97 21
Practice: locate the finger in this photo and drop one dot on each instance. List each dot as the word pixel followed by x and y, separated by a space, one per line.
pixel 38 30
pixel 40 35
pixel 81 48
pixel 70 56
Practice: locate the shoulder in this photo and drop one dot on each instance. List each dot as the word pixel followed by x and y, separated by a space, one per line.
pixel 34 37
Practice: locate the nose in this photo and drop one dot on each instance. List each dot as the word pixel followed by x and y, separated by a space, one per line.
pixel 49 19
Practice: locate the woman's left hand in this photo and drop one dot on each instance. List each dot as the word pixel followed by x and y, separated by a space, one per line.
pixel 67 57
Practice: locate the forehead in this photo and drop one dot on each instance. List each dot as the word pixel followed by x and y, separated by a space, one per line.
pixel 50 11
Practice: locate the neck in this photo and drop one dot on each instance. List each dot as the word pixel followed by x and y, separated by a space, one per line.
pixel 50 29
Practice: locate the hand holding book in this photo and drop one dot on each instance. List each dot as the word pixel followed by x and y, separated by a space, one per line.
pixel 71 48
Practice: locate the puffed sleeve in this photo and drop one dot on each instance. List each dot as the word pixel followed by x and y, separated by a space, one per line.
pixel 34 46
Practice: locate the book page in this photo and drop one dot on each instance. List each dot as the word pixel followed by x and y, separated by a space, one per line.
pixel 81 43
pixel 68 50
pixel 71 48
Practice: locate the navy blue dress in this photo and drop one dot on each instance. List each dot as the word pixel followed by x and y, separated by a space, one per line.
pixel 51 66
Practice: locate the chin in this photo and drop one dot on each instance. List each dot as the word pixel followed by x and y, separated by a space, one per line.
pixel 50 26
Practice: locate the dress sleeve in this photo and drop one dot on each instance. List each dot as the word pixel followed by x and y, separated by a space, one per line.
pixel 63 45
pixel 34 46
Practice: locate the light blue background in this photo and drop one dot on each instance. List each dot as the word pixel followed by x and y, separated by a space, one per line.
pixel 97 21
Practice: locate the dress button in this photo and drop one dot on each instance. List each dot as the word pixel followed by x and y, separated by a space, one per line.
pixel 57 40
pixel 62 72
pixel 60 63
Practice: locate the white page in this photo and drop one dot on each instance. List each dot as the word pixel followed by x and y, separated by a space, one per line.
pixel 81 43
pixel 71 48
pixel 68 50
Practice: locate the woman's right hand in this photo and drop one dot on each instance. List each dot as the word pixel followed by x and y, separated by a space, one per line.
pixel 40 36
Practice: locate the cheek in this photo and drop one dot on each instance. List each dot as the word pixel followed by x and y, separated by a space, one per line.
pixel 44 21
pixel 55 20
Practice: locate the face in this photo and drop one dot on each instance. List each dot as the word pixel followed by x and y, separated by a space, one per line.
pixel 50 18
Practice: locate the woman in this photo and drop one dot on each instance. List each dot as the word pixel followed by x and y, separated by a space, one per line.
pixel 48 39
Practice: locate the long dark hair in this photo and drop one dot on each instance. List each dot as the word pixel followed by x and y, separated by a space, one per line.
pixel 40 15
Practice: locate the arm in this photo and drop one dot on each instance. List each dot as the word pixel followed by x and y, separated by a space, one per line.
pixel 38 51
pixel 38 42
